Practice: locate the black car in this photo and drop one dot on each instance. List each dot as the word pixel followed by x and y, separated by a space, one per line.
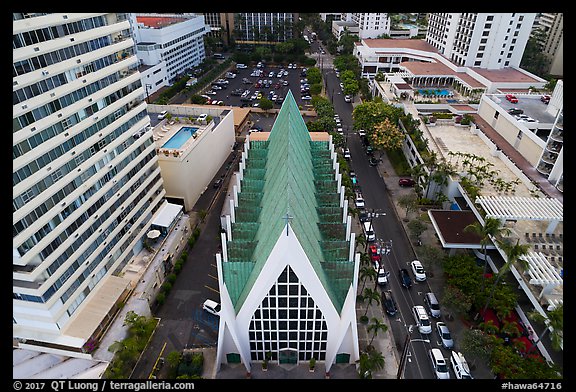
pixel 405 278
pixel 373 161
pixel 363 215
pixel 218 183
pixel 388 303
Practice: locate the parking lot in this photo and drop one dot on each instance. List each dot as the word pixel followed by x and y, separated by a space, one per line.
pixel 266 83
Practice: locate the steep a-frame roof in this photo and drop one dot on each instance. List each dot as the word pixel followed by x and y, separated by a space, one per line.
pixel 288 174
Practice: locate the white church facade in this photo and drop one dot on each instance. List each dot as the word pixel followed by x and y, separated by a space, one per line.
pixel 288 269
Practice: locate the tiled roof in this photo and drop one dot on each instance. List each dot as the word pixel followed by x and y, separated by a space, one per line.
pixel 288 171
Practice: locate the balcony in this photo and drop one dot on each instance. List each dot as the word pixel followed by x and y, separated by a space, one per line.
pixel 557 135
pixel 554 146
pixel 544 168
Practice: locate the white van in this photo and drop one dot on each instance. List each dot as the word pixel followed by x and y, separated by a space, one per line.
pixel 421 319
pixel 433 306
pixel 369 231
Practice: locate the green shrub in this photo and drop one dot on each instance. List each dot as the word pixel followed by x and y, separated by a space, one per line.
pixel 171 278
pixel 166 287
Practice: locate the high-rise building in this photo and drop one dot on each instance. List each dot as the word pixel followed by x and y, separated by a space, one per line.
pixel 176 40
pixel 86 181
pixel 485 40
pixel 552 27
pixel 370 25
pixel 288 270
pixel 263 27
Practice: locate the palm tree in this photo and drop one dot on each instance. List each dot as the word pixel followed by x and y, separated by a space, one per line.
pixel 513 255
pixel 361 240
pixel 369 361
pixel 367 272
pixel 370 295
pixel 555 320
pixel 375 327
pixel 492 227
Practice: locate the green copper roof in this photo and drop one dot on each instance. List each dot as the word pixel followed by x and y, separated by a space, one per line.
pixel 288 174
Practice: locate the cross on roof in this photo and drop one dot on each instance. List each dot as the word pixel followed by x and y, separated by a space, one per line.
pixel 287 217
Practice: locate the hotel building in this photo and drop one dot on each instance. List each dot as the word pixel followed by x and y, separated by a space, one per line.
pixel 86 181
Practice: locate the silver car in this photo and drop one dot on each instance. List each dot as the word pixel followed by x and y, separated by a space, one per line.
pixel 444 334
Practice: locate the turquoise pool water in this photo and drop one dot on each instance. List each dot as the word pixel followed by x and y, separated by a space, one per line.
pixel 180 137
pixel 441 92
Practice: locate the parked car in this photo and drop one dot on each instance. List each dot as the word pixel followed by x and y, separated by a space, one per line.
pixel 511 98
pixel 363 216
pixel 439 364
pixel 373 161
pixel 421 319
pixel 241 66
pixel 348 98
pixel 382 277
pixel 418 270
pixel 359 200
pixel 375 256
pixel 444 334
pixel 432 303
pixel 347 153
pixel 388 303
pixel 405 278
pixel 212 307
pixel 162 115
pixel 514 111
pixel 545 99
pixel 406 182
pixel 460 366
pixel 353 178
pixel 369 231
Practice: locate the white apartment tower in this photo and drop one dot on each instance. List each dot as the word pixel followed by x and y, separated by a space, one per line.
pixel 85 177
pixel 370 25
pixel 485 40
pixel 552 24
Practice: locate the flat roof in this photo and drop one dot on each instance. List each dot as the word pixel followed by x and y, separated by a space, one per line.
pixel 158 22
pixel 508 74
pixel 167 214
pixel 97 307
pixel 450 227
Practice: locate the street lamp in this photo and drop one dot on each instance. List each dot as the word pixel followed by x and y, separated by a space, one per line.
pixel 404 356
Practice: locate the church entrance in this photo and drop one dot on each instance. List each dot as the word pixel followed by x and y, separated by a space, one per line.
pixel 288 356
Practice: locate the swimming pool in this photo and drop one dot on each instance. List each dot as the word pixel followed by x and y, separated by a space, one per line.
pixel 180 137
pixel 434 91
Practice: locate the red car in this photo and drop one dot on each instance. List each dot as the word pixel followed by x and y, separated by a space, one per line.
pixel 406 182
pixel 511 98
pixel 375 254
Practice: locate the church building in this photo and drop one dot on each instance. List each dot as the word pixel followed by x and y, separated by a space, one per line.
pixel 288 269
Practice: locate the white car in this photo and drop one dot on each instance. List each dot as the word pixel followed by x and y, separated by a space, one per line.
pixel 347 153
pixel 444 334
pixel 421 319
pixel 162 115
pixel 359 201
pixel 212 307
pixel 418 270
pixel 439 364
pixel 347 98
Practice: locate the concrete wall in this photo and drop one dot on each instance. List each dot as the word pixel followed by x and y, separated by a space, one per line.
pixel 529 146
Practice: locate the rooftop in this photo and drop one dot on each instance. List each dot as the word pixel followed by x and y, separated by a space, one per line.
pixel 158 22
